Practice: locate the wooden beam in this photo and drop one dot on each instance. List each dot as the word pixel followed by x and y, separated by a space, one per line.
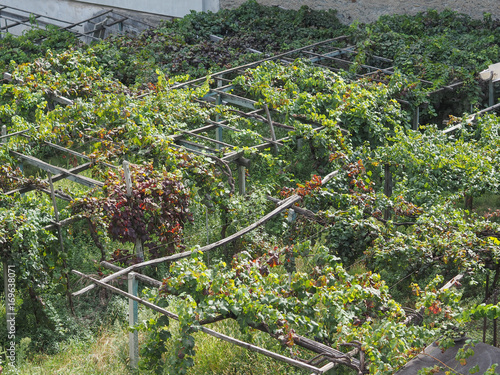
pixel 238 154
pixel 5 136
pixel 64 222
pixel 192 132
pixel 271 127
pixel 55 178
pixel 139 276
pixel 302 211
pixel 17 22
pixel 472 118
pixel 86 181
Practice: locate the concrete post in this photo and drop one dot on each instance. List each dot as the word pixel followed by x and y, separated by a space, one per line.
pixel 242 179
pixel 416 118
pixel 491 93
pixel 133 318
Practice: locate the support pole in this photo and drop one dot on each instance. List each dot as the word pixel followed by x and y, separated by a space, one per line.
pixel 486 296
pixel 491 93
pixel 133 318
pixel 416 118
pixel 300 143
pixel 218 130
pixel 468 203
pixel 4 133
pixel 387 188
pixel 218 102
pixel 242 179
pixel 128 179
pixel 270 121
pixel 208 234
pixel 495 321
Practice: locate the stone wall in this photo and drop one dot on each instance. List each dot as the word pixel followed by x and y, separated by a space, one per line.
pixel 370 10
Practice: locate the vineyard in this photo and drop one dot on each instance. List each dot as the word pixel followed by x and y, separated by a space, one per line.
pixel 326 196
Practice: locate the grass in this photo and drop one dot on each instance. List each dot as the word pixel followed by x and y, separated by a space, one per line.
pixel 214 356
pixel 106 354
pixel 486 202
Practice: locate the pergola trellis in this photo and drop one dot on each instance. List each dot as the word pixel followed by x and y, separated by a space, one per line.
pixel 332 54
pixel 15 17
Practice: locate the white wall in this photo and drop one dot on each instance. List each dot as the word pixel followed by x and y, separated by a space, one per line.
pixel 70 11
pixel 211 5
pixel 78 10
pixel 173 8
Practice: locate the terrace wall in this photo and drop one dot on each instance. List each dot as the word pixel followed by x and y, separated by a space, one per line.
pixel 370 10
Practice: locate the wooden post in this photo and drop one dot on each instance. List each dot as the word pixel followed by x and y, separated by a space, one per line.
pixel 218 130
pixel 133 318
pixel 416 118
pixel 495 321
pixel 139 251
pixel 491 92
pixel 128 179
pixel 208 234
pixel 387 188
pixel 300 143
pixel 486 296
pixel 468 203
pixel 241 179
pixel 270 121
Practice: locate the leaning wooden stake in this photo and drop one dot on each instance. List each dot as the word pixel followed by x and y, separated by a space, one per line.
pixel 387 189
pixel 271 127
